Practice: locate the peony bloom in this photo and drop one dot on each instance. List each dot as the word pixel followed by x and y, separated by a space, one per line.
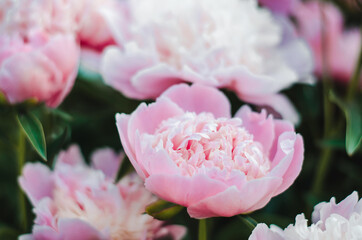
pixel 190 151
pixel 226 44
pixel 76 201
pixel 341 46
pixel 331 221
pixel 39 66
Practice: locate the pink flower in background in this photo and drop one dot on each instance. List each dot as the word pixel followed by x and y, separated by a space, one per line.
pixel 188 150
pixel 162 43
pixel 283 7
pixel 331 221
pixel 41 67
pixel 341 46
pixel 76 201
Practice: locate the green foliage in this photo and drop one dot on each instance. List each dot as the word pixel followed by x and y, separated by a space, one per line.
pixel 163 210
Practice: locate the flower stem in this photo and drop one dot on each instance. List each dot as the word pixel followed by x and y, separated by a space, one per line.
pixel 202 229
pixel 248 221
pixel 353 84
pixel 20 162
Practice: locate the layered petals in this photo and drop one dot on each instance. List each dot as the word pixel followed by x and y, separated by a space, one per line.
pixel 75 201
pixel 162 44
pixel 201 158
pixel 331 221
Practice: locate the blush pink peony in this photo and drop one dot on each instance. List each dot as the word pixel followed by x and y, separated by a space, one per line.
pixel 39 66
pixel 76 201
pixel 190 151
pixel 341 46
pixel 331 221
pixel 226 44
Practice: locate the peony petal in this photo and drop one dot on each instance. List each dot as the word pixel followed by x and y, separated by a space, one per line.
pixel 233 201
pixel 154 80
pixel 262 232
pixel 198 98
pixel 78 229
pixel 72 156
pixel 183 190
pixel 117 68
pixel 37 182
pixel 259 125
pixel 108 161
pixel 122 121
pixel 279 103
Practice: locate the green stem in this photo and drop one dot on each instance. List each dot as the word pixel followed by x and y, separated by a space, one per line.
pixel 322 169
pixel 248 221
pixel 328 108
pixel 202 229
pixel 353 84
pixel 20 162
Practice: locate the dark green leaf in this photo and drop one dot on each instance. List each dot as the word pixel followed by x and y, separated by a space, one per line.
pixel 34 131
pixel 353 114
pixel 163 210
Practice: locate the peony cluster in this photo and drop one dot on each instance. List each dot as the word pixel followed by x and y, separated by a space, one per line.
pixel 331 221
pixel 47 39
pixel 336 51
pixel 75 201
pixel 165 42
pixel 190 151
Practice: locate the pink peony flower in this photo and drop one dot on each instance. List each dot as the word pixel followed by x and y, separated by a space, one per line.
pixel 41 66
pixel 79 202
pixel 188 150
pixel 331 221
pixel 341 46
pixel 226 44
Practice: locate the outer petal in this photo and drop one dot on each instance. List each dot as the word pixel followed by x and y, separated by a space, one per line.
pixel 288 160
pixel 262 232
pixel 72 156
pixel 78 229
pixel 156 79
pixel 122 121
pixel 198 98
pixel 36 181
pixel 233 201
pixel 279 103
pixel 184 190
pixel 118 68
pixel 345 208
pixel 259 125
pixel 107 161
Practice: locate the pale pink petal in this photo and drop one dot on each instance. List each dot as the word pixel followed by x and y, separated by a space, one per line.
pixel 108 161
pixel 344 208
pixel 36 181
pixel 258 124
pixel 184 190
pixel 154 80
pixel 154 161
pixel 45 233
pixel 122 121
pixel 279 103
pixel 198 98
pixel 233 201
pixel 146 119
pixel 176 232
pixel 72 156
pixel 90 59
pixel 117 69
pixel 262 232
pixel 78 229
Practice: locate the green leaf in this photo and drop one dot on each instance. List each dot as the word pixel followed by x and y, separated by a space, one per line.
pixel 163 210
pixel 8 233
pixel 34 131
pixel 353 113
